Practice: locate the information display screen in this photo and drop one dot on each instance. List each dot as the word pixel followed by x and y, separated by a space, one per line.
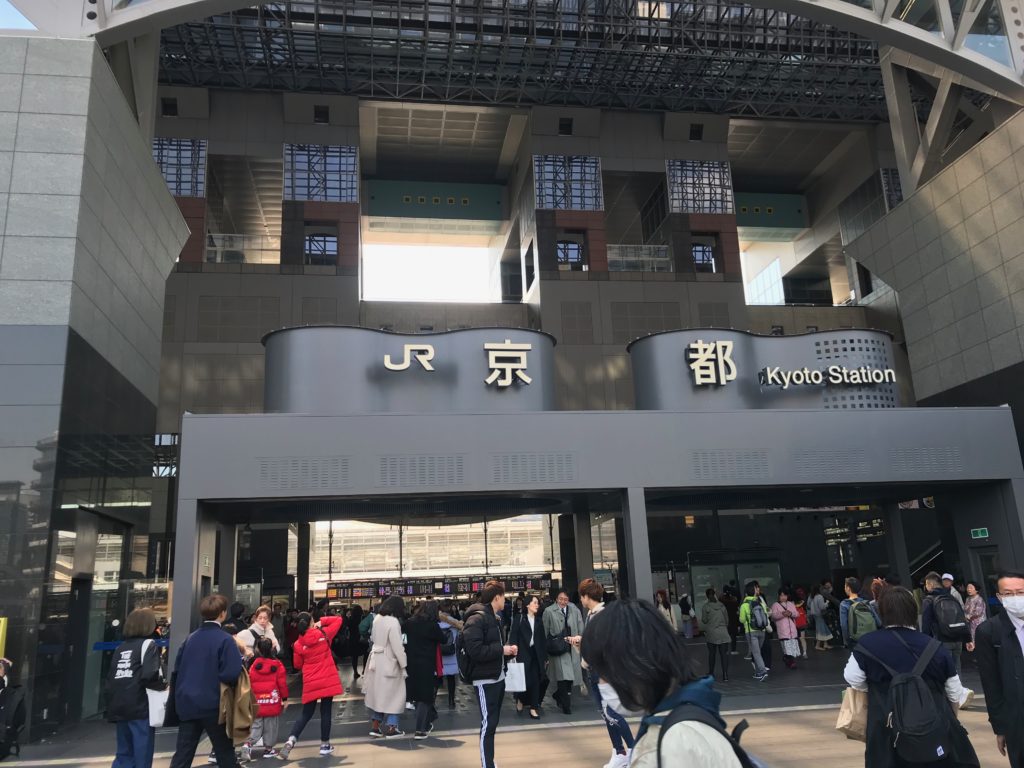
pixel 462 586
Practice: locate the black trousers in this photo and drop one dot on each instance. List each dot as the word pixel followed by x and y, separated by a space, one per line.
pixel 489 698
pixel 426 713
pixel 531 698
pixel 563 694
pixel 720 651
pixel 307 714
pixel 189 734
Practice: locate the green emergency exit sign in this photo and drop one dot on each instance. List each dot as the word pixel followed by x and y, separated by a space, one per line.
pixel 979 533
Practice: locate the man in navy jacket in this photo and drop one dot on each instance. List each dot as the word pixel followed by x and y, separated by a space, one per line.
pixel 208 658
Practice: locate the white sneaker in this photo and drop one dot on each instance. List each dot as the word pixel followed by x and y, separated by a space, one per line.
pixel 325 749
pixel 968 698
pixel 286 748
pixel 212 759
pixel 617 761
pixel 409 705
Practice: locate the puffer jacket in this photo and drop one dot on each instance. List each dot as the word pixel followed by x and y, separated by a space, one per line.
pixel 269 686
pixel 483 642
pixel 784 615
pixel 313 657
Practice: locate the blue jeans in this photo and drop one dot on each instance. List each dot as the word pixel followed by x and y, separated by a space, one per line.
pixel 135 742
pixel 618 728
pixel 386 720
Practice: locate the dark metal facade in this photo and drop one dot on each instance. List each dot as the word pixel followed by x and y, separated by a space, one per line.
pixel 707 57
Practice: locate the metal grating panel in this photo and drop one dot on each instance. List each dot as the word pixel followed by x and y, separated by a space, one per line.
pixel 723 464
pixel 825 465
pixel 926 461
pixel 532 468
pixel 299 472
pixel 411 471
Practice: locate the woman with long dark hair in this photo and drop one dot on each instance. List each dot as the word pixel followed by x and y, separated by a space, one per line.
pixel 356 645
pixel 424 654
pixel 320 680
pixel 642 667
pixel 385 672
pixel 528 634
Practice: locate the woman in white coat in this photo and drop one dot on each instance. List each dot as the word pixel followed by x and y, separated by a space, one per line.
pixel 384 678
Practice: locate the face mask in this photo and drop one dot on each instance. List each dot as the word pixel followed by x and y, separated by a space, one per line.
pixel 611 700
pixel 1014 605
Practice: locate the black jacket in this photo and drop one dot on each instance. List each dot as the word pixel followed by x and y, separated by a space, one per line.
pixel 481 637
pixel 1001 664
pixel 12 715
pixel 235 623
pixel 421 652
pixel 130 675
pixel 520 636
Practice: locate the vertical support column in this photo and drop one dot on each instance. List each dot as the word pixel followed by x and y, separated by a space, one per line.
pixel 185 595
pixel 896 544
pixel 584 540
pixel 302 577
pixel 227 560
pixel 567 550
pixel 638 546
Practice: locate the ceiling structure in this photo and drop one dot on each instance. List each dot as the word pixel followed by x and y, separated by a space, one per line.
pixel 707 57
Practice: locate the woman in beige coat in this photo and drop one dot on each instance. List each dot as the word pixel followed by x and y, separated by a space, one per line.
pixel 384 678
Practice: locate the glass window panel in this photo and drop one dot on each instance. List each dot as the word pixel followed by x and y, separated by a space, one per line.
pixel 323 172
pixel 568 182
pixel 700 186
pixel 183 165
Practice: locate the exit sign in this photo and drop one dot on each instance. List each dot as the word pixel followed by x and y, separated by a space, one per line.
pixel 979 533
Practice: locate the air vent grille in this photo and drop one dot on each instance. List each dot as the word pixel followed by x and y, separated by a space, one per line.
pixel 926 461
pixel 823 465
pixel 420 471
pixel 723 464
pixel 298 472
pixel 533 468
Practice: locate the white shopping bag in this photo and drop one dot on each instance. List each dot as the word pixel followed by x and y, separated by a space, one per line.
pixel 515 677
pixel 157 699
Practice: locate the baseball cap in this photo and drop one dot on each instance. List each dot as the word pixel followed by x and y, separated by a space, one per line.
pixel 947 576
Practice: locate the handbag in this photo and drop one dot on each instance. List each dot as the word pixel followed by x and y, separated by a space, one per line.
pixel 853 715
pixel 157 699
pixel 515 677
pixel 557 645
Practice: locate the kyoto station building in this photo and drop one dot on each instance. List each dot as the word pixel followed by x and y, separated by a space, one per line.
pixel 338 299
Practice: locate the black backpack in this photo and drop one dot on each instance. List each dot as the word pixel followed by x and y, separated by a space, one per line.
pixel 950 622
pixel 448 646
pixel 462 658
pixel 697 714
pixel 920 732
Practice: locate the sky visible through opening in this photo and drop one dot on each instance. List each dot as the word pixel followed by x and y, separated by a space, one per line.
pixel 11 18
pixel 434 273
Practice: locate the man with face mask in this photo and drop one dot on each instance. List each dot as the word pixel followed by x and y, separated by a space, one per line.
pixel 999 648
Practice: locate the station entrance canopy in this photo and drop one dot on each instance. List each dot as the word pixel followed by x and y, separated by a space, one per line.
pixel 368 420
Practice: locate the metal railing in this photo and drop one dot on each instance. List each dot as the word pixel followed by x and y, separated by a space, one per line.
pixel 242 249
pixel 640 258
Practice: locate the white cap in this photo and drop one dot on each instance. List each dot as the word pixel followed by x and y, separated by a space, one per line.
pixel 948 576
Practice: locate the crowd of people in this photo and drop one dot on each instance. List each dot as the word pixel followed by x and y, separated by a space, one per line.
pixel 630 658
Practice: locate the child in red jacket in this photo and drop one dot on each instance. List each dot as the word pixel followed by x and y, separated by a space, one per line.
pixel 270 688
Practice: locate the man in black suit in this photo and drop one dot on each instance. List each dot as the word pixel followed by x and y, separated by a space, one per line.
pixel 999 648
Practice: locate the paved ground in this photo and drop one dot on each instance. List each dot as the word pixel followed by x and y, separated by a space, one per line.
pixel 791 710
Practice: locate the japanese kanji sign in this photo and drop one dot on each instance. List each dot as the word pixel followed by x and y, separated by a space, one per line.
pixel 711 362
pixel 507 362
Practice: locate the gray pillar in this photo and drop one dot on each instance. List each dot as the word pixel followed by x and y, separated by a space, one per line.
pixel 227 560
pixel 302 565
pixel 896 543
pixel 638 547
pixel 184 603
pixel 584 539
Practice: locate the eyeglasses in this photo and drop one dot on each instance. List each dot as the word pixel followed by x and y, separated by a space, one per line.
pixel 1018 593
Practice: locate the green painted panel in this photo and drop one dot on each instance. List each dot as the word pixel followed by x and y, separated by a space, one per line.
pixel 435 200
pixel 755 209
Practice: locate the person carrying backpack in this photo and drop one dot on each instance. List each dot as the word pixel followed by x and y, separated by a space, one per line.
pixel 681 725
pixel 943 618
pixel 857 617
pixel 754 620
pixel 911 680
